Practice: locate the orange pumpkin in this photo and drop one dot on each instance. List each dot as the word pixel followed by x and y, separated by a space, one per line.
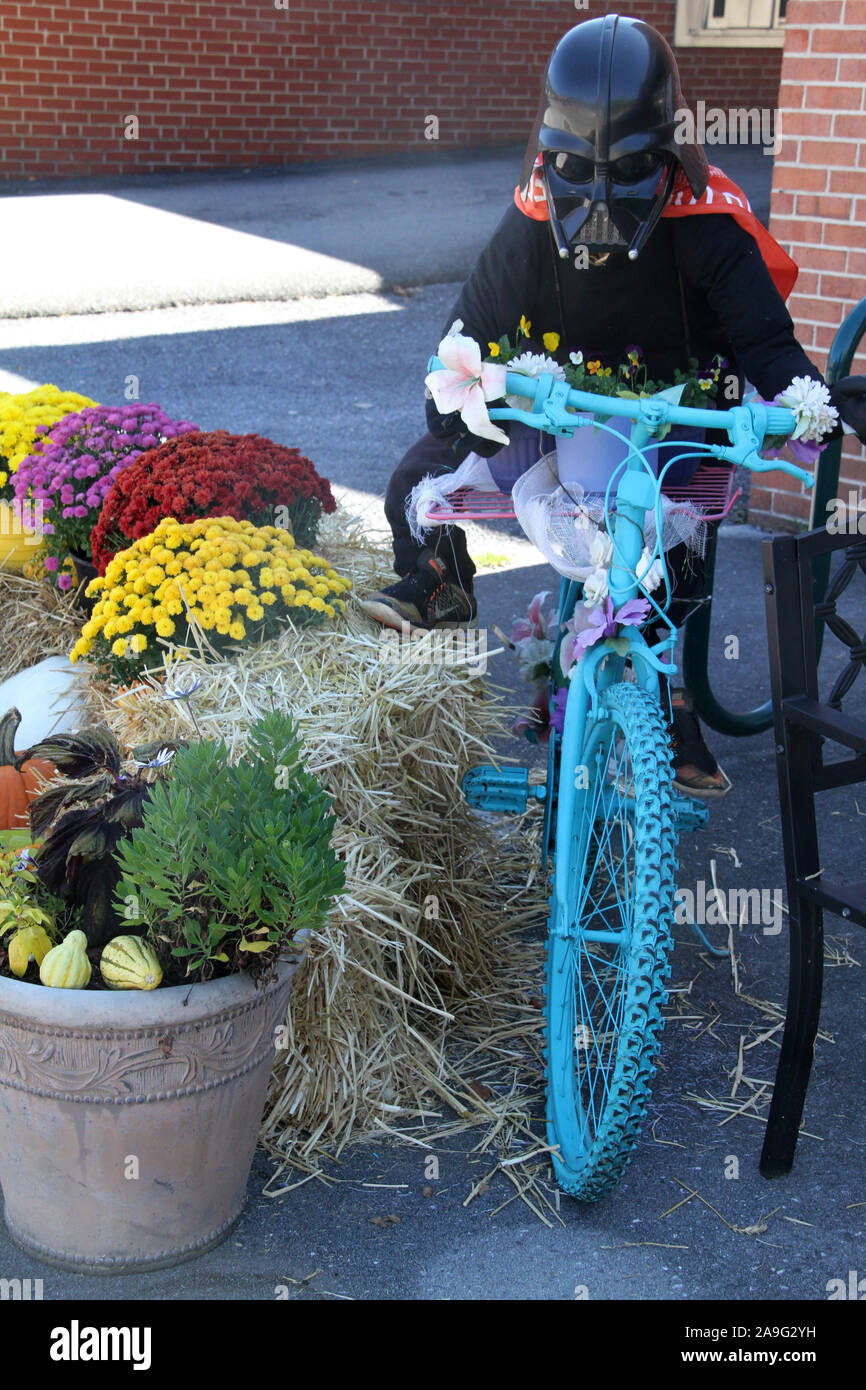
pixel 20 776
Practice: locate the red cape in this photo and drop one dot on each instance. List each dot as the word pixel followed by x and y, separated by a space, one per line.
pixel 720 195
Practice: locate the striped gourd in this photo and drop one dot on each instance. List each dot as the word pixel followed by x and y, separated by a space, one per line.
pixel 129 963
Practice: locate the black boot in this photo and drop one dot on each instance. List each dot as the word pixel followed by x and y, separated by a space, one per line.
pixel 428 597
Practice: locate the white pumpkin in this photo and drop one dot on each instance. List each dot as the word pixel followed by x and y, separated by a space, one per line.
pixel 51 697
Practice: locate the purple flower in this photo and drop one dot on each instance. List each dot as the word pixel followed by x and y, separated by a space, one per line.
pixel 593 625
pixel 557 718
pixel 52 562
pixel 64 581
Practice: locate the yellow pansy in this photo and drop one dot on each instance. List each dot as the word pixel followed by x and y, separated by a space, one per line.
pixel 551 341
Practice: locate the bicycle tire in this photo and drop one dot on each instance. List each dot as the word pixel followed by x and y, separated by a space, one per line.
pixel 598 1083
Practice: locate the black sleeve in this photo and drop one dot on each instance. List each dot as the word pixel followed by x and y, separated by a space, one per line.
pixel 724 264
pixel 503 285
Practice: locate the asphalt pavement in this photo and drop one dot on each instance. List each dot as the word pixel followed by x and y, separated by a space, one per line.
pixel 335 366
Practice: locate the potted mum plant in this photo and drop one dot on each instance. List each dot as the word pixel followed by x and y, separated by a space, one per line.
pixel 23 418
pixel 71 470
pixel 132 1084
pixel 212 474
pixel 229 581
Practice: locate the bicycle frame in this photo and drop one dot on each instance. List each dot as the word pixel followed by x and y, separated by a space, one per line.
pixel 637 491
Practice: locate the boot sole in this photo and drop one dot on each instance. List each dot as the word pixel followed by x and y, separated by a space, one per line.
pixel 386 615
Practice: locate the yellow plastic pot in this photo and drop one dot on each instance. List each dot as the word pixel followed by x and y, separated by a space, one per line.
pixel 14 551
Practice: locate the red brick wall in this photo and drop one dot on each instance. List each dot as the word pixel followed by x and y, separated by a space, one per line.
pixel 819 205
pixel 216 84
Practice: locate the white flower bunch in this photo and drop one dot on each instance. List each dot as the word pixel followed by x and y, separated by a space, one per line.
pixel 810 402
pixel 596 586
pixel 534 364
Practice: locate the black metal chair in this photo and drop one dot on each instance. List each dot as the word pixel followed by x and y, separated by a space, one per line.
pixel 795 570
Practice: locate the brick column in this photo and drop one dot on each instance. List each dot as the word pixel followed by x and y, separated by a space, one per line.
pixel 818 208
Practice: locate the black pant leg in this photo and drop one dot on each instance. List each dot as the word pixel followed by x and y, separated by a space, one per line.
pixel 428 455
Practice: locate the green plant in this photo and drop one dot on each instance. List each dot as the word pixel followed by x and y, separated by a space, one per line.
pixel 30 929
pixel 82 819
pixel 232 859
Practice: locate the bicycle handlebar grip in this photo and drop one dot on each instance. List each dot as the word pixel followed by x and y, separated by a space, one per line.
pixel 779 420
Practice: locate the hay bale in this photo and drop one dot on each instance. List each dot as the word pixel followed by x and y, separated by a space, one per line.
pixel 36 620
pixel 422 961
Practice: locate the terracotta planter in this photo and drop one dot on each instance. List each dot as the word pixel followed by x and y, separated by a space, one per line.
pixel 128 1120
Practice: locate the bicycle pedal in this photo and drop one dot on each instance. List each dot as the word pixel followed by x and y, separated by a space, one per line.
pixel 502 789
pixel 691 814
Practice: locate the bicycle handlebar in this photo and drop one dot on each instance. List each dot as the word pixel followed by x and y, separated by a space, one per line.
pixel 554 404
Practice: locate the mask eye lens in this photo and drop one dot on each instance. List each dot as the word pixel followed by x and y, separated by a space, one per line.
pixel 574 168
pixel 633 168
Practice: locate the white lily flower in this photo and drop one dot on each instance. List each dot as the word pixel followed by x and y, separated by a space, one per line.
pixel 464 383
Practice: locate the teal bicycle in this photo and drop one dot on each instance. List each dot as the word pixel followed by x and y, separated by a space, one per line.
pixel 612 816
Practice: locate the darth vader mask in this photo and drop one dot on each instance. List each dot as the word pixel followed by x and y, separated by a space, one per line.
pixel 606 134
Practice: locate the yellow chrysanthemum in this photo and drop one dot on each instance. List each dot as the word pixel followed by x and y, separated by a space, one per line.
pixel 255 612
pixel 119 647
pixel 237 631
pixel 138 643
pixel 316 603
pixel 267 597
pixel 164 627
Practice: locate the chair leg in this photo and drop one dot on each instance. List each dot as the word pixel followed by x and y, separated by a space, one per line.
pixel 798 1041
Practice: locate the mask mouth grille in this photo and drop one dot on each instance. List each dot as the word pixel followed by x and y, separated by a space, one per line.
pixel 598 230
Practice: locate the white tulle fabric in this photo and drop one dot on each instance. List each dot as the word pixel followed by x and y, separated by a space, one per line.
pixel 435 491
pixel 563 521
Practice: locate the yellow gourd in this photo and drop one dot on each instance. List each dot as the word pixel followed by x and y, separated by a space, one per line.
pixel 66 966
pixel 129 963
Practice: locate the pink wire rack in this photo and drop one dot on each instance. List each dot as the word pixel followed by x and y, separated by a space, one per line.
pixel 710 494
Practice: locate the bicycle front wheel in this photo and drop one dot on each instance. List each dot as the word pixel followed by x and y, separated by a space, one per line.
pixel 607 961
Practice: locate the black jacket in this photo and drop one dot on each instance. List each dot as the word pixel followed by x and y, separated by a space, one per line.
pixel 699 287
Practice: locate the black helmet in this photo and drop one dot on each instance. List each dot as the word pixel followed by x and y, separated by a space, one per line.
pixel 606 130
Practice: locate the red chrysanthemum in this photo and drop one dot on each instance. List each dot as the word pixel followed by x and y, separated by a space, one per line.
pixel 203 474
